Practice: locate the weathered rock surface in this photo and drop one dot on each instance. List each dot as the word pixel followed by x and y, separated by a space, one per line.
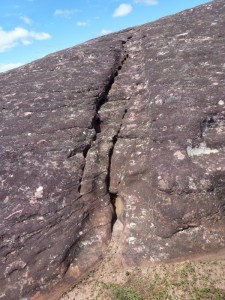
pixel 138 115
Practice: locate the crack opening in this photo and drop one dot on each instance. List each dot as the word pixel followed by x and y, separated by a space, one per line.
pixel 113 197
pixel 114 140
pixel 117 204
pixel 85 152
pixel 104 97
pixel 79 149
pixel 96 125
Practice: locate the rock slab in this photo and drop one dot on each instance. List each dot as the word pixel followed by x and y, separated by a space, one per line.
pixel 139 116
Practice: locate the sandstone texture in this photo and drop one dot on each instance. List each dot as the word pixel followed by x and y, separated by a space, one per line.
pixel 138 116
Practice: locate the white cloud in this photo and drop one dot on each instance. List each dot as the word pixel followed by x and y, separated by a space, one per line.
pixel 26 20
pixel 147 2
pixel 105 31
pixel 80 24
pixel 10 39
pixel 26 42
pixel 6 67
pixel 66 13
pixel 122 10
pixel 39 35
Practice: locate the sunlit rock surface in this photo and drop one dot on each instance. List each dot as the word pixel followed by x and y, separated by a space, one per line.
pixel 139 116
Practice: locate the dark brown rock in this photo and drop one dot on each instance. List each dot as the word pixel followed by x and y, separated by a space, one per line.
pixel 138 114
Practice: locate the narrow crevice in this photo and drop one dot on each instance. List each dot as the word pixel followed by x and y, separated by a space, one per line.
pixel 113 197
pixel 96 125
pixel 85 152
pixel 114 141
pixel 104 97
pixel 79 149
pixel 184 228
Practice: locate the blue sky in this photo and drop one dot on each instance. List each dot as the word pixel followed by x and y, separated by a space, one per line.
pixel 30 29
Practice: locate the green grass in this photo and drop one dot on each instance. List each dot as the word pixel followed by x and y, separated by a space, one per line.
pixel 123 293
pixel 186 281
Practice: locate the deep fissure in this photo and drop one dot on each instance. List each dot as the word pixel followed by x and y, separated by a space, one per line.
pixel 96 125
pixel 112 195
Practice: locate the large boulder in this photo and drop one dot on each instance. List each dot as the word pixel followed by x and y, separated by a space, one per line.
pixel 135 118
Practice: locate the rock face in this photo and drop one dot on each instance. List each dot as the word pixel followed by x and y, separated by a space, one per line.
pixel 138 116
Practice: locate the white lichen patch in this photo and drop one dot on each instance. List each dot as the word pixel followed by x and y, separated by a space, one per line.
pixel 179 155
pixel 158 100
pixel 86 243
pixel 39 192
pixel 162 53
pixel 16 265
pixel 28 113
pixel 131 126
pixel 131 225
pixel 182 34
pixel 201 150
pixel 221 102
pixel 6 199
pixel 131 240
pixel 192 184
pixel 144 212
pixel 140 249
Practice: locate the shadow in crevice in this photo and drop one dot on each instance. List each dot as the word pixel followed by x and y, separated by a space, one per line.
pixel 113 197
pixel 96 125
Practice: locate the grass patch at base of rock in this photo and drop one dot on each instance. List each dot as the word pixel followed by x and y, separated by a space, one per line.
pixel 186 281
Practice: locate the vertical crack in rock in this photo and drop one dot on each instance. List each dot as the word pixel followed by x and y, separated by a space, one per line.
pixel 84 153
pixel 101 135
pixel 113 196
pixel 113 139
pixel 131 84
pixel 122 93
pixel 131 122
pixel 95 157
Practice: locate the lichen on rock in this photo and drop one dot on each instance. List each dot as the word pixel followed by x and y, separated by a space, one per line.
pixel 137 115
